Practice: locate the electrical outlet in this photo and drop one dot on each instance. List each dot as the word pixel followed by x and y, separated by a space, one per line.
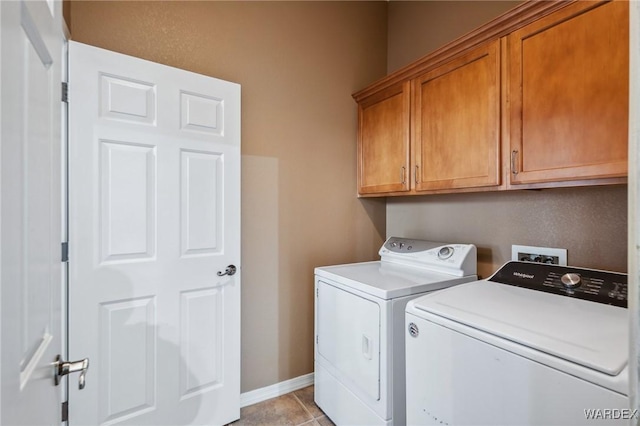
pixel 555 256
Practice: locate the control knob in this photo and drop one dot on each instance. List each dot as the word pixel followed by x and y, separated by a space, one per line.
pixel 571 280
pixel 445 252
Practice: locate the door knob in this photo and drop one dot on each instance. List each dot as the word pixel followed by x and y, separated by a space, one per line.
pixel 64 367
pixel 231 269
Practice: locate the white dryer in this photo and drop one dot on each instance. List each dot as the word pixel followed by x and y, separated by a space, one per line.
pixel 359 326
pixel 534 344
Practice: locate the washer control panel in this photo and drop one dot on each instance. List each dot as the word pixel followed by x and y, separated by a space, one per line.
pixel 456 259
pixel 588 284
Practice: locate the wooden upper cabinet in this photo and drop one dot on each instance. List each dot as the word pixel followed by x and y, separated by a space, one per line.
pixel 383 141
pixel 456 122
pixel 535 98
pixel 568 87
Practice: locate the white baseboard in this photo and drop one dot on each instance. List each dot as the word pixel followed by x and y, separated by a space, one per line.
pixel 274 391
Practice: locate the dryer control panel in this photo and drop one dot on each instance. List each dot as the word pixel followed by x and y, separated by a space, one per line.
pixel 589 284
pixel 454 259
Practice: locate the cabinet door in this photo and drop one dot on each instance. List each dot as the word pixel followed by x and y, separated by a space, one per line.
pixel 457 122
pixel 568 91
pixel 383 141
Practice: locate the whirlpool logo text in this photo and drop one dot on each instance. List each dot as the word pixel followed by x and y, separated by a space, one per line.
pixel 521 275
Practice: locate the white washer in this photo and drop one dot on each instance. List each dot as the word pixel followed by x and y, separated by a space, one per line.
pixel 534 344
pixel 359 326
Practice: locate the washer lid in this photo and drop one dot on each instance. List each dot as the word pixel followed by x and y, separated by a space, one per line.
pixel 587 333
pixel 387 280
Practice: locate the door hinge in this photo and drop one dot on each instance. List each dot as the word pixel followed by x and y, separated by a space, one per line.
pixel 65 252
pixel 65 92
pixel 65 411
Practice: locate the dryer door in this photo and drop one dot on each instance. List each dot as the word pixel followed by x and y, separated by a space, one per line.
pixel 348 328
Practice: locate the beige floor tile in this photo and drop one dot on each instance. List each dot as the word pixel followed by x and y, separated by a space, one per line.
pixel 324 421
pixel 305 396
pixel 285 410
pixel 294 409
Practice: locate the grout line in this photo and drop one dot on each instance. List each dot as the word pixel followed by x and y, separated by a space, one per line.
pixel 304 407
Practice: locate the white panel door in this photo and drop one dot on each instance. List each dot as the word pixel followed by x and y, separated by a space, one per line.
pixel 30 313
pixel 154 216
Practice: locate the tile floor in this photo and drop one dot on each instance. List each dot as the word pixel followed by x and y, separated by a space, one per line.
pixel 293 409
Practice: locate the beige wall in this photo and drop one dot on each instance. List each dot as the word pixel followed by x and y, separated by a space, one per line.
pixel 298 63
pixel 590 222
pixel 417 28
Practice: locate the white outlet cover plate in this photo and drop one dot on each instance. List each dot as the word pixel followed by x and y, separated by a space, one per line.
pixel 544 251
